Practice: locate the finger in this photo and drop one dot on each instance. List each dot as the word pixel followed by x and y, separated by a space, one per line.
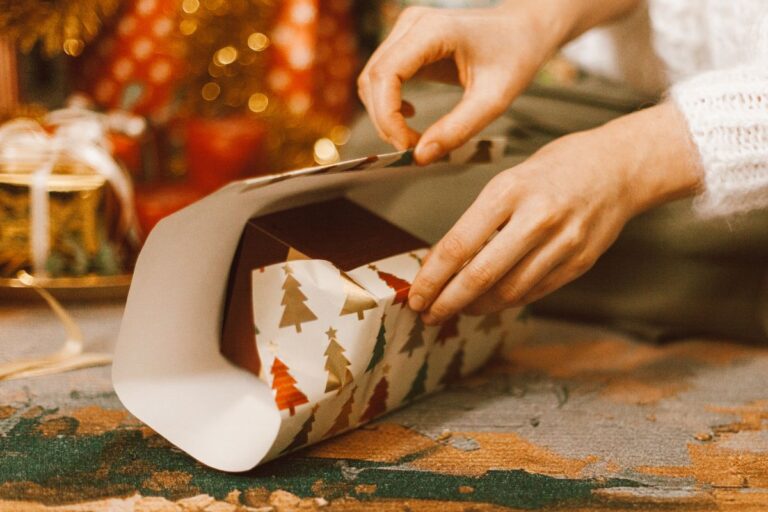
pixel 408 17
pixel 386 93
pixel 396 65
pixel 529 272
pixel 464 239
pixel 488 266
pixel 364 91
pixel 480 105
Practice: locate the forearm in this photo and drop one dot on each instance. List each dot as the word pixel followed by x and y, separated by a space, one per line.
pixel 571 18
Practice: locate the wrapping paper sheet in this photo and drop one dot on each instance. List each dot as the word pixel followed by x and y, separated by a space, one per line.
pixel 338 363
pixel 168 370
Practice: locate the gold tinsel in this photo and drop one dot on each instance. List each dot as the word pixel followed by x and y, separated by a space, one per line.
pixel 225 71
pixel 228 50
pixel 59 25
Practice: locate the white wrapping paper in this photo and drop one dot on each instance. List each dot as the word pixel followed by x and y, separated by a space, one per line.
pixel 168 370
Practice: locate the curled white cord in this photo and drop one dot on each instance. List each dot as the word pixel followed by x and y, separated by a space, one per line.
pixel 69 357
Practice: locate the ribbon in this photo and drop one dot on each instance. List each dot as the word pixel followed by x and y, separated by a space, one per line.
pixel 80 135
pixel 70 357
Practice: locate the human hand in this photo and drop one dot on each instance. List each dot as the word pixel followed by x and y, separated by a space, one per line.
pixel 493 53
pixel 555 214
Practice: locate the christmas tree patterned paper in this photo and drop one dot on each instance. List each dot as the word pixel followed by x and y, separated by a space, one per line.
pixel 377 404
pixel 449 329
pixel 490 322
pixel 453 371
pixel 358 301
pixel 302 437
pixel 378 349
pixel 342 421
pixel 418 387
pixel 287 395
pixel 399 286
pixel 296 312
pixel 336 364
pixel 415 337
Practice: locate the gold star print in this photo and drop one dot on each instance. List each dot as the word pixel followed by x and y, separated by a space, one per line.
pixel 331 332
pixel 287 269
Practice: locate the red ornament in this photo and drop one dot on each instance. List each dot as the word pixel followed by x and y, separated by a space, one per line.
pixel 314 58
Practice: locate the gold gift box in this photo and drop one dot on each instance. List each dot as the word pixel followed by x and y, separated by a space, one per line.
pixel 84 232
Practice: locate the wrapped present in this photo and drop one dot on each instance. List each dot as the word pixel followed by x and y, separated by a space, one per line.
pixel 66 206
pixel 314 59
pixel 240 355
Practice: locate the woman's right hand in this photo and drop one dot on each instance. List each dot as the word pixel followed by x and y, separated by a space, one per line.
pixel 493 53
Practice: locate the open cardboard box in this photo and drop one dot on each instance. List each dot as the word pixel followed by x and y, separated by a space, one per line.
pixel 168 368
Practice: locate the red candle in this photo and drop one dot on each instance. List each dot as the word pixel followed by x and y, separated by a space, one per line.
pixel 220 150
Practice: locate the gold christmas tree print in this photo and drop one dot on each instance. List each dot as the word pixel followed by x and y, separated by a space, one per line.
pixel 377 404
pixel 358 300
pixel 415 337
pixel 378 349
pixel 489 322
pixel 342 420
pixel 302 437
pixel 296 312
pixel 287 395
pixel 336 364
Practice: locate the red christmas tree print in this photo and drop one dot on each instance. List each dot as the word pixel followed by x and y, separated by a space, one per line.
pixel 287 395
pixel 449 329
pixel 302 437
pixel 377 404
pixel 400 286
pixel 342 420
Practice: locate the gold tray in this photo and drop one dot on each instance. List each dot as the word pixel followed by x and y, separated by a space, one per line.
pixel 69 288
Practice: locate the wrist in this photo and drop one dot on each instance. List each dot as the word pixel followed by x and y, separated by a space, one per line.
pixel 661 161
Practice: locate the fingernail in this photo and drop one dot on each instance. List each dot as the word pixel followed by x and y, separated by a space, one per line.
pixel 416 302
pixel 428 153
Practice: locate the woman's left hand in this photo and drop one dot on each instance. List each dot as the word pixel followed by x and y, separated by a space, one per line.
pixel 555 214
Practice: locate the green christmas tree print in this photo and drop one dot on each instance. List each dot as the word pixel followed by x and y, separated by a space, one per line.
pixel 378 349
pixel 415 337
pixel 418 387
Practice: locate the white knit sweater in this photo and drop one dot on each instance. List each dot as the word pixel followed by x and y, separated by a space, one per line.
pixel 712 57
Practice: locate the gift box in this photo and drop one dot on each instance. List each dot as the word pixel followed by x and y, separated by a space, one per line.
pixel 66 206
pixel 273 313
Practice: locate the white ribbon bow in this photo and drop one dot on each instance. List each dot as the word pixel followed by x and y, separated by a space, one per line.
pixel 80 135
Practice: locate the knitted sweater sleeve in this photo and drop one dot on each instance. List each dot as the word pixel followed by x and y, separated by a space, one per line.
pixel 727 114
